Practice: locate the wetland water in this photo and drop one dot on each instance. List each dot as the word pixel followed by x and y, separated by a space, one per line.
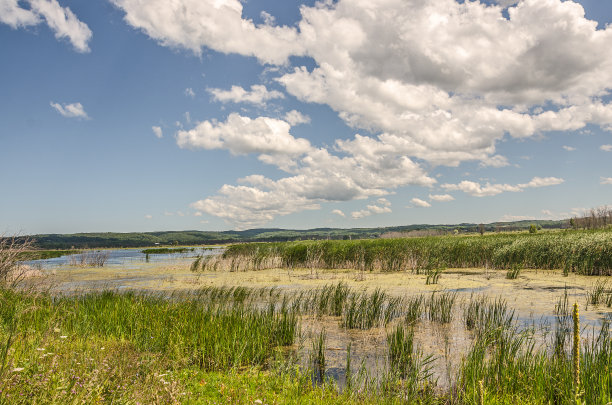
pixel 533 296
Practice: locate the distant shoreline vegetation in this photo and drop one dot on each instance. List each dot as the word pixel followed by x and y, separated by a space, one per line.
pixel 191 238
pixel 164 251
pixel 45 254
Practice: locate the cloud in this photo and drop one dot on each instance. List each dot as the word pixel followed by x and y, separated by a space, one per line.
pixel 441 197
pixel 248 206
pixel 295 117
pixel 189 92
pixel 214 24
pixel 420 203
pixel 242 135
pixel 148 216
pixel 512 218
pixel 339 213
pixel 477 190
pixel 542 182
pixel 568 148
pixel 447 80
pixel 438 80
pixel 157 131
pixel 61 20
pixel 605 180
pixel 258 95
pixel 606 148
pixel 315 174
pixel 64 23
pixel 74 110
pixel 381 206
pixel 15 16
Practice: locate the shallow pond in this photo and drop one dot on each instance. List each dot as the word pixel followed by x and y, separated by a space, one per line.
pixel 533 296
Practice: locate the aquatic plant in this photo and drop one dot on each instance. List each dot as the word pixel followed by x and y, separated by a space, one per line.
pixel 514 272
pixel 597 293
pixel 440 306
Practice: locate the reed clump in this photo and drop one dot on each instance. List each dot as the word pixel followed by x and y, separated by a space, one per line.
pixel 482 314
pixel 440 306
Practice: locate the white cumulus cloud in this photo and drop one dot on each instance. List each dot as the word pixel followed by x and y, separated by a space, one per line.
pixel 61 20
pixel 157 131
pixel 478 190
pixel 512 218
pixel 73 110
pixel 382 206
pixel 339 213
pixel 568 148
pixel 605 180
pixel 214 24
pixel 439 81
pixel 258 95
pixel 606 148
pixel 420 203
pixel 242 135
pixel 441 197
pixel 295 117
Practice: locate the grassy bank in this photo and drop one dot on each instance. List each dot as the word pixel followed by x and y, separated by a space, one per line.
pixel 582 251
pixel 44 254
pixel 238 345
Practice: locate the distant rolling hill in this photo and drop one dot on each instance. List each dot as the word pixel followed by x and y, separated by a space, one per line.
pixel 142 239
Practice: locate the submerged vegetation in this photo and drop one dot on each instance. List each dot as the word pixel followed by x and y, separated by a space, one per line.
pixel 582 251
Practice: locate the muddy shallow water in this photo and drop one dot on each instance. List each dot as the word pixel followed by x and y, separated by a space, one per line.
pixel 532 295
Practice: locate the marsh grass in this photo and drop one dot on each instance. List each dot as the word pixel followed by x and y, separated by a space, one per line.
pixel 367 310
pixel 408 366
pixel 127 348
pixel 440 306
pixel 414 307
pixel 482 314
pixel 583 251
pixel 514 272
pixel 318 357
pixel 433 275
pixel 598 293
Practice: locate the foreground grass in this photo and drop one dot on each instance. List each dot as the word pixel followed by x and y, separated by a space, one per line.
pixel 230 345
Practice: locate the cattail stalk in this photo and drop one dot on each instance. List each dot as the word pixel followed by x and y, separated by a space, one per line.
pixel 576 353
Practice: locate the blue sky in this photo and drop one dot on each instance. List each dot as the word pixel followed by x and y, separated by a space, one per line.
pixel 134 115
